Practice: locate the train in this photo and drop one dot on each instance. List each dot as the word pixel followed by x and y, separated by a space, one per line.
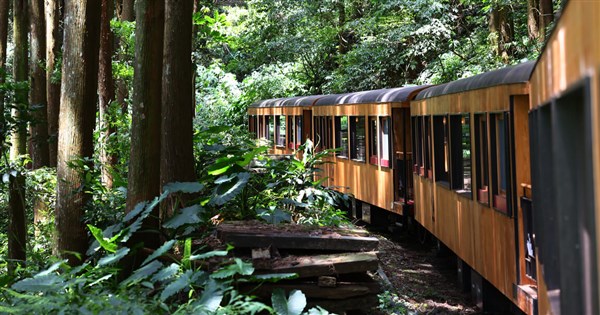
pixel 502 168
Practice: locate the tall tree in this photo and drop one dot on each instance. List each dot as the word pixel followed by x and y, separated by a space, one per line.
pixel 106 91
pixel 37 91
pixel 76 121
pixel 20 72
pixel 144 161
pixel 17 236
pixel 177 160
pixel 53 12
pixel 546 17
pixel 125 13
pixel 4 6
pixel 539 16
pixel 502 29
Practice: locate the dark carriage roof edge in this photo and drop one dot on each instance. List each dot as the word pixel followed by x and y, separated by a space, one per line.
pixel 393 95
pixel 297 101
pixel 519 73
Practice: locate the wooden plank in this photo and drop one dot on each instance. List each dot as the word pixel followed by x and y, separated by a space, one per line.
pixel 300 241
pixel 325 265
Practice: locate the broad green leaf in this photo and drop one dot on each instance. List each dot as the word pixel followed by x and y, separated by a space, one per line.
pixel 184 216
pixel 51 269
pixel 144 272
pixel 187 253
pixel 219 168
pixel 107 245
pixel 166 273
pixel 136 210
pixel 210 254
pixel 159 251
pixel 292 306
pixel 227 191
pixel 185 187
pixel 276 216
pixel 106 277
pixel 113 258
pixel 46 283
pixel 179 284
pixel 211 296
pixel 272 277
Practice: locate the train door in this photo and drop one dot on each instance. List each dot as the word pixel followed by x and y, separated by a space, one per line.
pixel 402 157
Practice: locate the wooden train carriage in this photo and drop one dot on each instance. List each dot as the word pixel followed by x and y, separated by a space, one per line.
pixel 371 130
pixel 565 131
pixel 285 123
pixel 471 156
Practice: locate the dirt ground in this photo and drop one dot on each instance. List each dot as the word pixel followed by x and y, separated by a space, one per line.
pixel 422 282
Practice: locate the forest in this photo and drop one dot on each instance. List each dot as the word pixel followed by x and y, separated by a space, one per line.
pixel 123 132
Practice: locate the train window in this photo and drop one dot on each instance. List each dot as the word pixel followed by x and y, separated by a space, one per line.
pixel 251 124
pixel 328 130
pixel 318 139
pixel 290 133
pixel 460 148
pixel 269 128
pixel 418 141
pixel 440 149
pixel 481 158
pixel 281 128
pixel 427 147
pixel 341 136
pixel 385 138
pixel 298 137
pixel 373 141
pixel 498 135
pixel 357 138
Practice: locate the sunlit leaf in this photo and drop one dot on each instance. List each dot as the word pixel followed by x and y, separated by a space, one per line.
pixel 188 215
pixel 113 258
pixel 159 251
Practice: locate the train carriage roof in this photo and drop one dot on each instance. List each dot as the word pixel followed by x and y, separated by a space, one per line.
pixel 395 95
pixel 288 101
pixel 510 75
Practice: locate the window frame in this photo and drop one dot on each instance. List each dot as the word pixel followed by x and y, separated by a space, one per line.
pixel 373 146
pixel 355 138
pixel 344 152
pixel 384 159
pixel 457 149
pixel 482 162
pixel 500 160
pixel 290 132
pixel 441 157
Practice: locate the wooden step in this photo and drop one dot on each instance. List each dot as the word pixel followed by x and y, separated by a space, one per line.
pixel 325 265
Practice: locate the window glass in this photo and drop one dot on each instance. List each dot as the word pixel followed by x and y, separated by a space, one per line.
pixel 298 131
pixel 427 147
pixel 440 148
pixel 418 141
pixel 460 153
pixel 373 141
pixel 280 130
pixel 384 136
pixel 290 127
pixel 270 128
pixel 357 138
pixel 500 164
pixel 328 130
pixel 341 137
pixel 481 158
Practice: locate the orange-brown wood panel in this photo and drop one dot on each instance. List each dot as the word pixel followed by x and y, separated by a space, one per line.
pixel 572 53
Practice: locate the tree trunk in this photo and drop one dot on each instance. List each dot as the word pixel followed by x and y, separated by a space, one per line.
pixel 76 121
pixel 533 19
pixel 106 92
pixel 127 12
pixel 144 163
pixel 37 91
pixel 4 6
pixel 501 25
pixel 177 160
pixel 17 227
pixel 546 17
pixel 53 48
pixel 20 72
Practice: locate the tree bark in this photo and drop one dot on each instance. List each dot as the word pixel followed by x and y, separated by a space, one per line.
pixel 501 24
pixel 177 160
pixel 76 121
pixel 17 227
pixel 127 12
pixel 53 48
pixel 106 91
pixel 546 17
pixel 4 6
pixel 37 91
pixel 144 163
pixel 20 65
pixel 533 19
